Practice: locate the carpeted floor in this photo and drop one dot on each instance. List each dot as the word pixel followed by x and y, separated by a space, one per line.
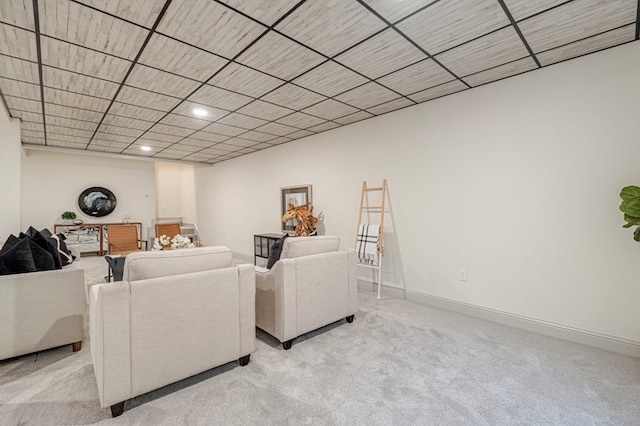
pixel 398 363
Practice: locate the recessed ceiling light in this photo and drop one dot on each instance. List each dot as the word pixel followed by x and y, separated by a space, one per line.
pixel 145 148
pixel 200 112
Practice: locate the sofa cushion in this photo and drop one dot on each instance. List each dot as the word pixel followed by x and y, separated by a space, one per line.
pixel 152 264
pixel 16 258
pixel 276 251
pixel 305 246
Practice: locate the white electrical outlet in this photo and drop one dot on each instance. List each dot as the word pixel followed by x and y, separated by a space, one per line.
pixel 463 275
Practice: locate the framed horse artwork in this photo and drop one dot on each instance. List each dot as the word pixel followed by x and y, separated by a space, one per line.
pixel 296 196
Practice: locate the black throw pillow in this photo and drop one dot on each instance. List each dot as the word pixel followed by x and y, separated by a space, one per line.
pixel 65 255
pixel 42 252
pixel 276 251
pixel 45 232
pixel 17 259
pixel 32 231
pixel 11 241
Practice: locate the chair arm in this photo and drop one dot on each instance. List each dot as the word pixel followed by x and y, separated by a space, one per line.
pixel 247 308
pixel 276 295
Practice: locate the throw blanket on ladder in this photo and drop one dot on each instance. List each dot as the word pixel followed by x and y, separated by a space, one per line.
pixel 367 243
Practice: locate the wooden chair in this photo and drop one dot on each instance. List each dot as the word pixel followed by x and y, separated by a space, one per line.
pixel 122 240
pixel 168 229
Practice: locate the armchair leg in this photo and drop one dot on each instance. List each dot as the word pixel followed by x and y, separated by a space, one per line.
pixel 117 409
pixel 287 345
pixel 77 346
pixel 244 360
pixel 350 318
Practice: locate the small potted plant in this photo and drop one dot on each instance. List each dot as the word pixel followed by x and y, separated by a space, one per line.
pixel 630 206
pixel 68 217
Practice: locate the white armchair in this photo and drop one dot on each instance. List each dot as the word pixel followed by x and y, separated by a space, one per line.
pixel 312 285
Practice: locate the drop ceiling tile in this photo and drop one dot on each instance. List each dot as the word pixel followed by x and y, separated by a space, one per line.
pixel 186 108
pixel 19 69
pixel 153 143
pixel 181 150
pixel 330 27
pixel 20 89
pixel 128 122
pixel 241 120
pixel 67 144
pixel 263 145
pixel 279 141
pixel 33 133
pixel 179 58
pixel 168 155
pixel 329 110
pixel 73 82
pixel 185 122
pixel 293 97
pixel 223 129
pixel 158 81
pixel 380 55
pixel 324 127
pixel 108 137
pixel 352 118
pixel 113 146
pixel 438 91
pixel 300 134
pixel 171 130
pixel 61 137
pixel 446 24
pixel 142 13
pixel 265 11
pixel 135 150
pixel 122 131
pixel 18 43
pixel 220 98
pixel 330 79
pixel 503 71
pixel 223 147
pixel 18 12
pixel 62 97
pixel 277 129
pixel 576 20
pixel 264 110
pixel 28 116
pixel 521 9
pixel 126 110
pixel 214 151
pixel 104 148
pixel 81 60
pixel 241 79
pixel 210 26
pixel 393 11
pixel 209 137
pixel 71 112
pixel 367 96
pixel 256 136
pixel 146 99
pixel 589 45
pixel 197 157
pixel 32 140
pixel 90 28
pixel 36 127
pixel 300 120
pixel 22 104
pixel 390 106
pixel 416 77
pixel 71 123
pixel 279 56
pixel 238 142
pixel 489 51
pixel 196 143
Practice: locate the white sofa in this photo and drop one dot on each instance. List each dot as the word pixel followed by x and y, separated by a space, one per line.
pixel 175 314
pixel 42 310
pixel 312 285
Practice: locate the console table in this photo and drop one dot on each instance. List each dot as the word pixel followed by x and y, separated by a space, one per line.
pixel 262 244
pixel 100 229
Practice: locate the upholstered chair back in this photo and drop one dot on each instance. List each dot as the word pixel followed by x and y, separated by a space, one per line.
pixel 304 246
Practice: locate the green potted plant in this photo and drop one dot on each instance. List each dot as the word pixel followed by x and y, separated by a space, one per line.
pixel 630 206
pixel 67 218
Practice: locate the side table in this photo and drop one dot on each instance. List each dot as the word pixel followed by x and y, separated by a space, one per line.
pixel 262 244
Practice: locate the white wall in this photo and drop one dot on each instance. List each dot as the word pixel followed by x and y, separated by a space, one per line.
pixel 9 175
pixel 175 191
pixel 52 182
pixel 517 182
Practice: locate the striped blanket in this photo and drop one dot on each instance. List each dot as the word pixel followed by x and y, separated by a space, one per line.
pixel 367 244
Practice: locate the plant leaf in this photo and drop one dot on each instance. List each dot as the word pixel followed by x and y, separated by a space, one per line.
pixel 631 207
pixel 636 234
pixel 630 192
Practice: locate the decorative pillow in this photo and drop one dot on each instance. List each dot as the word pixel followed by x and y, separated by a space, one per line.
pixel 43 252
pixel 17 258
pixel 276 250
pixel 65 255
pixel 11 241
pixel 32 231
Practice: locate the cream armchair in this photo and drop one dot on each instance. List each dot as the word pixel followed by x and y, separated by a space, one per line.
pixel 312 285
pixel 175 314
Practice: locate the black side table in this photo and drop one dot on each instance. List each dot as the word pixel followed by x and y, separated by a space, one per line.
pixel 262 244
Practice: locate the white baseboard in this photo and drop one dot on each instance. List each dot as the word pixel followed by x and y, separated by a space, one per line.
pixel 572 334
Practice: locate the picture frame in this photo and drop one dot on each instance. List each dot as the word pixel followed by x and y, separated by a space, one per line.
pixel 296 195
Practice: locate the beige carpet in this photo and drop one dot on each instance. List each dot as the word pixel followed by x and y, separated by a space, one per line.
pixel 398 363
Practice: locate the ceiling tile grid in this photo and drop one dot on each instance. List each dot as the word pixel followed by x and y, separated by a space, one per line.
pixel 205 81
